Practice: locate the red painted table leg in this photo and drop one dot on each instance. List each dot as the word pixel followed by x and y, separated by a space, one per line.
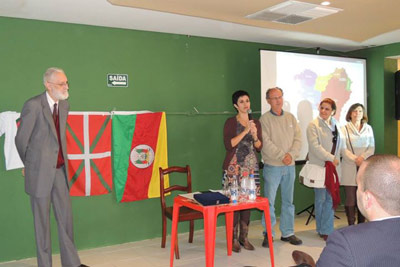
pixel 229 231
pixel 174 232
pixel 210 223
pixel 269 233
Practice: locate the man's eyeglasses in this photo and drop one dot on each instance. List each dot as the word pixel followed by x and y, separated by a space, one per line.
pixel 61 84
pixel 275 98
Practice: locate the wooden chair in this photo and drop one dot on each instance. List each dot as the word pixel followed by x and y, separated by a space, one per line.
pixel 185 214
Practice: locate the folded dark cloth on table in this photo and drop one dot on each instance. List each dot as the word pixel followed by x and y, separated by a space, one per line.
pixel 211 198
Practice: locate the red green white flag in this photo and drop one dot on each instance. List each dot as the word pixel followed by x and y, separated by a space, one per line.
pixel 139 142
pixel 89 153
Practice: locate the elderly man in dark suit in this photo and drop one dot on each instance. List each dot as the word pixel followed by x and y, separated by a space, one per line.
pixel 41 144
pixel 376 243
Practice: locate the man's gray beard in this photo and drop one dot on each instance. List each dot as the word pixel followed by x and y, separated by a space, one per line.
pixel 60 96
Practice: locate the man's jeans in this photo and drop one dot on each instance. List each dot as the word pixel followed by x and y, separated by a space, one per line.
pixel 283 176
pixel 324 213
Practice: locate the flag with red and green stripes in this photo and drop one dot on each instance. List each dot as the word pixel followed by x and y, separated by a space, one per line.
pixel 89 153
pixel 139 143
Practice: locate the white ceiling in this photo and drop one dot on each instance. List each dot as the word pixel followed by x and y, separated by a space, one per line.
pixel 102 13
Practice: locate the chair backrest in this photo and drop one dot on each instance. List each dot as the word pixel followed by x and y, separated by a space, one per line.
pixel 185 188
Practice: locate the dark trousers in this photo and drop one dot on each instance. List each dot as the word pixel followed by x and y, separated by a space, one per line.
pixel 60 200
pixel 351 195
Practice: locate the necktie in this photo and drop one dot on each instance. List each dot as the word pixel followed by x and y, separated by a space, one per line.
pixel 60 158
pixel 55 113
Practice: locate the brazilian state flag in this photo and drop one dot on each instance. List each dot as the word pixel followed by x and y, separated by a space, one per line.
pixel 139 145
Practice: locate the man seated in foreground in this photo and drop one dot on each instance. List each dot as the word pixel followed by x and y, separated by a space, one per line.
pixel 376 243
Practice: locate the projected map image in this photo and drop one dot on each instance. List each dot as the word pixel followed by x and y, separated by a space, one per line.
pixel 336 85
pixel 307 79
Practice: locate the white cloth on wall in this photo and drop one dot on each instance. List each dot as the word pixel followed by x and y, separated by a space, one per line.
pixel 8 126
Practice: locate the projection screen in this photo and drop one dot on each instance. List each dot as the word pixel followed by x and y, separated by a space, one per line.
pixel 307 79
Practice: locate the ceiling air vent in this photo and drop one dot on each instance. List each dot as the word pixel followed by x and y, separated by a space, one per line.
pixel 293 12
pixel 292 19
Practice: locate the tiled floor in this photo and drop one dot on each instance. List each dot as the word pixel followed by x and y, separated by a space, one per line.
pixel 148 253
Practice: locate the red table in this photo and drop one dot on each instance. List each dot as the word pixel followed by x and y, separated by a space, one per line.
pixel 210 214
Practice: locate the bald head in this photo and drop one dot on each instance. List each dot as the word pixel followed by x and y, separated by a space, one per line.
pixel 267 94
pixel 380 175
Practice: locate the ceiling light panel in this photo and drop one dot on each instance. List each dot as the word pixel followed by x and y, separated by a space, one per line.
pixel 293 12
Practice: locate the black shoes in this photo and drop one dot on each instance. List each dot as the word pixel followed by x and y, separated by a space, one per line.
pixel 83 265
pixel 292 240
pixel 265 241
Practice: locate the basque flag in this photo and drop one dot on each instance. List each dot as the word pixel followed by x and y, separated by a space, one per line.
pixel 89 153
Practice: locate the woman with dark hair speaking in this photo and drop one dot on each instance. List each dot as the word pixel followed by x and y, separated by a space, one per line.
pixel 242 139
pixel 360 144
pixel 324 143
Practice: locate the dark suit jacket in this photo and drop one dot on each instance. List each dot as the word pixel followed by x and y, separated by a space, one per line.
pixel 37 144
pixel 373 244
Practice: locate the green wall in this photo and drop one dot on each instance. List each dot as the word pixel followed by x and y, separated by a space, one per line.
pixel 380 81
pixel 167 72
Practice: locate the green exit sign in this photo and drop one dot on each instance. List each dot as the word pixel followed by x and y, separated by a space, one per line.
pixel 117 80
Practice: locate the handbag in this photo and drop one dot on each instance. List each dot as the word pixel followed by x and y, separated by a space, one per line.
pixel 312 175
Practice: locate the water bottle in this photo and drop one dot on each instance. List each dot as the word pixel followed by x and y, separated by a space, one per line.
pixel 243 188
pixel 252 188
pixel 234 190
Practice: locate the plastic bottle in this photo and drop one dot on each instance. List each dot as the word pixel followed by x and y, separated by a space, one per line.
pixel 251 189
pixel 244 188
pixel 234 190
